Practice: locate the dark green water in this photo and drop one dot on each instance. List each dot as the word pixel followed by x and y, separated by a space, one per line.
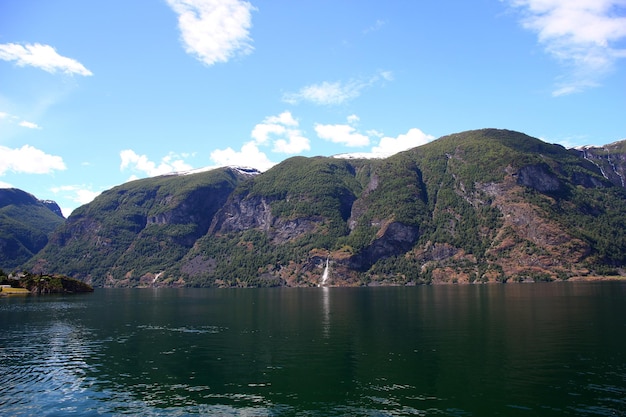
pixel 492 350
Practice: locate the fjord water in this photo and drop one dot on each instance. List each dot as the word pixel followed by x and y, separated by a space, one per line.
pixel 474 350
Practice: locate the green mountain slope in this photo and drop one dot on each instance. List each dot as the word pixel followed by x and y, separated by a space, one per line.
pixel 25 223
pixel 478 206
pixel 130 234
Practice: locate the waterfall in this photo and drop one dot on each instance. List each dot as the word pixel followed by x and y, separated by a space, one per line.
pixel 325 274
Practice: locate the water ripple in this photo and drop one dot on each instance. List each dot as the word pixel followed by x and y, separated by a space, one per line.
pixel 238 356
pixel 184 329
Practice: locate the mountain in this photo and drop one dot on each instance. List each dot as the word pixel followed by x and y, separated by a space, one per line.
pixel 130 233
pixel 25 223
pixel 610 160
pixel 478 206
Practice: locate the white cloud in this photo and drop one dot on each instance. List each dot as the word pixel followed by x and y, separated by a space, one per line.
pixel 141 163
pixel 29 160
pixel 294 143
pixel 41 56
pixel 285 118
pixel 262 132
pixel 10 118
pixel 334 93
pixel 5 185
pixel 344 134
pixel 389 146
pixel 581 34
pixel 84 196
pixel 80 194
pixel 249 156
pixel 326 93
pixel 214 30
pixel 29 125
pixel 283 132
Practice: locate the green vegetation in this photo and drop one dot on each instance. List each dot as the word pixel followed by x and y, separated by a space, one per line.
pixel 138 227
pixel 45 284
pixel 302 187
pixel 485 205
pixel 25 224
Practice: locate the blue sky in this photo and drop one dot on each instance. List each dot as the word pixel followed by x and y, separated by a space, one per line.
pixel 96 93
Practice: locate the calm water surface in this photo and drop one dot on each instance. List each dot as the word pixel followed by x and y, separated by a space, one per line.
pixel 492 350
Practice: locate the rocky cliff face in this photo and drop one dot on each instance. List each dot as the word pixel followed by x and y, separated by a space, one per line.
pixel 132 232
pixel 479 206
pixel 392 239
pixel 610 160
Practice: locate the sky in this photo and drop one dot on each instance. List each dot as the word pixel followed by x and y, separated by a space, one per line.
pixel 97 93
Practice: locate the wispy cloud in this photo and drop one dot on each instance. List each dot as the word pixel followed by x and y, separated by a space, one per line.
pixel 581 34
pixel 11 118
pixel 44 57
pixel 334 93
pixel 29 125
pixel 214 30
pixel 144 166
pixel 29 160
pixel 375 27
pixel 345 134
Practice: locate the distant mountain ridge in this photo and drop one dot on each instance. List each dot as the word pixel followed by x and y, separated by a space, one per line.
pixel 487 205
pixel 609 159
pixel 25 223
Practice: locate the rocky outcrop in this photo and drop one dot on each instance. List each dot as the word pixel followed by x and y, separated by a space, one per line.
pixel 610 160
pixel 242 213
pixel 245 213
pixel 359 207
pixel 528 241
pixel 53 207
pixel 393 239
pixel 538 177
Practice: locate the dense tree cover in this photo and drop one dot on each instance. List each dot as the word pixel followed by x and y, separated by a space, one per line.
pixel 44 283
pixel 25 224
pixel 299 188
pixel 597 216
pixel 136 227
pixel 302 187
pixel 443 194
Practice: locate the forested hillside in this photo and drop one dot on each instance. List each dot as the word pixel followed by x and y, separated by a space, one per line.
pixel 25 223
pixel 133 232
pixel 478 206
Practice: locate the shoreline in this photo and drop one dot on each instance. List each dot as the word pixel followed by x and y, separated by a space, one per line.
pixel 593 278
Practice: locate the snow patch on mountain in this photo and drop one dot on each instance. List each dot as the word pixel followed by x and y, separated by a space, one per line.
pixel 241 169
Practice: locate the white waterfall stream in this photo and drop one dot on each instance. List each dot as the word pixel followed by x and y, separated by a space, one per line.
pixel 325 275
